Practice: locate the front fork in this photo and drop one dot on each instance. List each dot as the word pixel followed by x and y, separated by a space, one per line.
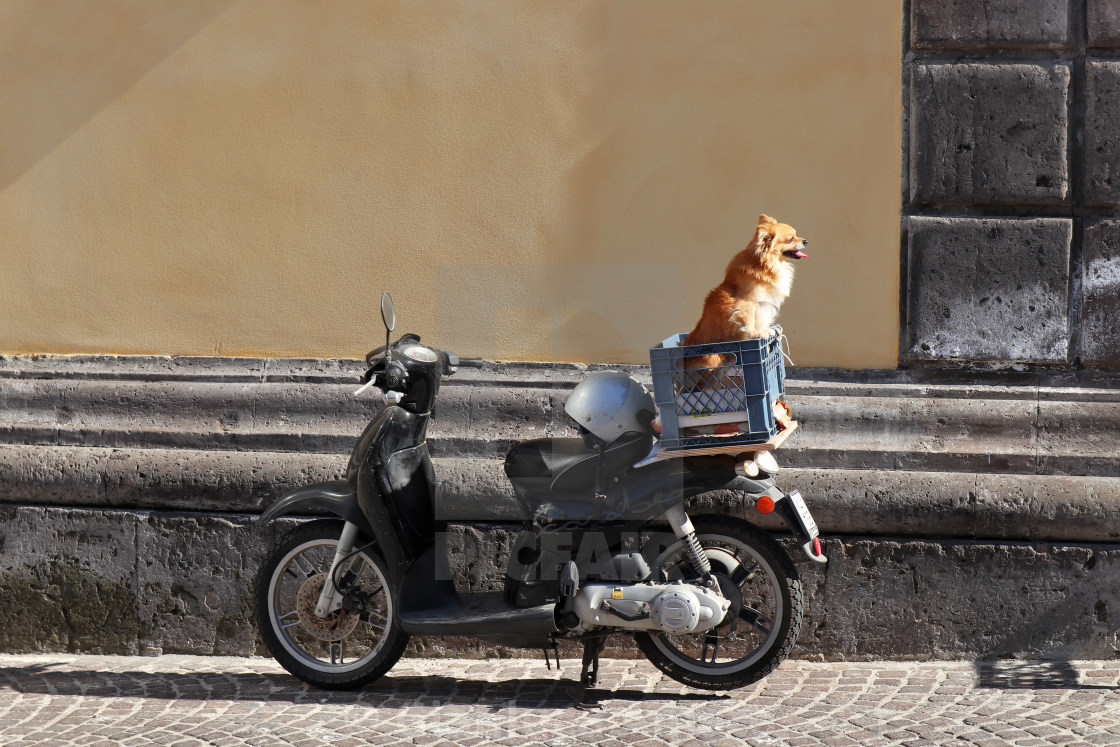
pixel 330 598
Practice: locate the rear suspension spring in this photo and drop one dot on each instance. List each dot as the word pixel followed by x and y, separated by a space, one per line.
pixel 696 555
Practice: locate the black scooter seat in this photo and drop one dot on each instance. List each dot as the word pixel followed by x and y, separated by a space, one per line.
pixel 569 465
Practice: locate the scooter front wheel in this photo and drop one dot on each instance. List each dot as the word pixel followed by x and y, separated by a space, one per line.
pixel 761 625
pixel 348 647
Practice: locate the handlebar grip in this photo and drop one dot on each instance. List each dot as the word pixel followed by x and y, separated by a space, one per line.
pixel 471 362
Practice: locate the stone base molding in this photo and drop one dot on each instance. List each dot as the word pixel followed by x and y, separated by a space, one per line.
pixel 965 514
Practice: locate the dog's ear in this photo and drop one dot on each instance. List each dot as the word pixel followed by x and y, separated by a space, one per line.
pixel 763 236
pixel 766 220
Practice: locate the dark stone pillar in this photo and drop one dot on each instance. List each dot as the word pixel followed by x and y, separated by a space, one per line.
pixel 1013 182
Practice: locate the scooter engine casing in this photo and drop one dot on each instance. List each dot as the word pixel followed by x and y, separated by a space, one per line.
pixel 674 607
pixel 676 612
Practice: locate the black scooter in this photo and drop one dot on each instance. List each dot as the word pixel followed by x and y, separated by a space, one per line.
pixel 606 547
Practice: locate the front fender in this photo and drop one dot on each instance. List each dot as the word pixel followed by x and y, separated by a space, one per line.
pixel 337 498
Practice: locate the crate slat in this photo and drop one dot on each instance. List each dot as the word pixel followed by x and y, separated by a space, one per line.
pixel 770 445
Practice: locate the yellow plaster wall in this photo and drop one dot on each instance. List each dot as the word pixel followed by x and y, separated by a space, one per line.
pixel 531 180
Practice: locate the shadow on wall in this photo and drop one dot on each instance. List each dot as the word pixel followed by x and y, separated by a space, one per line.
pixel 62 63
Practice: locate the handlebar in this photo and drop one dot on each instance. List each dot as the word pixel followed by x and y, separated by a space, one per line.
pixel 391 374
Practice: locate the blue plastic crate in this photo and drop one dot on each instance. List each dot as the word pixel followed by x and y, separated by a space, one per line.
pixel 742 389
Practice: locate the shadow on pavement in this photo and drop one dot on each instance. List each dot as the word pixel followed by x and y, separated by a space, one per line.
pixel 388 692
pixel 1032 675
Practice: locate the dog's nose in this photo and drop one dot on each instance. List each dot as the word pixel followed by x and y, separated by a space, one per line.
pixel 804 242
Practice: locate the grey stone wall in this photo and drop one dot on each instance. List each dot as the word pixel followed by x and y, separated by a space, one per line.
pixel 965 515
pixel 1012 143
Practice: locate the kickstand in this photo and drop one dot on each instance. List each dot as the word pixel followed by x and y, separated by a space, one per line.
pixel 589 674
pixel 556 651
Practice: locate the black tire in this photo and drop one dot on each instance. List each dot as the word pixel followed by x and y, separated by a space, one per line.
pixel 308 550
pixel 770 633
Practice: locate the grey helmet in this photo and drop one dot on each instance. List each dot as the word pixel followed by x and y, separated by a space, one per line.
pixel 609 404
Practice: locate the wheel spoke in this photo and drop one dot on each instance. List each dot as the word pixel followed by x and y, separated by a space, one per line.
pixel 756 620
pixel 336 653
pixel 286 623
pixel 379 627
pixel 374 618
pixel 300 568
pixel 744 575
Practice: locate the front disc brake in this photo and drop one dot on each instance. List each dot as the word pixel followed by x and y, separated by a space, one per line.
pixel 335 626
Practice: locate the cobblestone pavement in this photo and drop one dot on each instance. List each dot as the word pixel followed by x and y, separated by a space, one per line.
pixel 185 700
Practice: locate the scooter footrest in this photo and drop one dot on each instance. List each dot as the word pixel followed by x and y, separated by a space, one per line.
pixel 479 614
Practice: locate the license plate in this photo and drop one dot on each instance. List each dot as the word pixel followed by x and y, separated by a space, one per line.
pixel 803 514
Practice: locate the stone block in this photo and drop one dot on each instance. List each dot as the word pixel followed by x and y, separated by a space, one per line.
pixel 989 134
pixel 947 600
pixel 1104 23
pixel 195 576
pixel 222 481
pixel 67 582
pixel 1100 309
pixel 950 504
pixel 1102 143
pixel 1080 438
pixel 989 24
pixel 988 289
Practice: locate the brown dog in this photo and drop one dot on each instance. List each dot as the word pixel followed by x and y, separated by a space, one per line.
pixel 757 281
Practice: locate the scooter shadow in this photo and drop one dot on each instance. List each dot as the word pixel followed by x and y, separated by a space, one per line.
pixel 1034 675
pixel 520 693
pixel 406 691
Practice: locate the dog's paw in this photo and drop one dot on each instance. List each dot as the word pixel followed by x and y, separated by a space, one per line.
pixel 767 333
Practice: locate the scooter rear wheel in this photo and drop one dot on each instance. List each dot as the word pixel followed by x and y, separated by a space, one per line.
pixel 345 649
pixel 761 626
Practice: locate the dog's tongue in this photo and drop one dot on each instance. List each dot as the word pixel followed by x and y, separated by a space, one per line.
pixel 800 254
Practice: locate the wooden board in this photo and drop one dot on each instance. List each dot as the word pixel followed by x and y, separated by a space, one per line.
pixel 770 445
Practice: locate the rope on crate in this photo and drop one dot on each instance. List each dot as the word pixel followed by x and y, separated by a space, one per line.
pixel 784 341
